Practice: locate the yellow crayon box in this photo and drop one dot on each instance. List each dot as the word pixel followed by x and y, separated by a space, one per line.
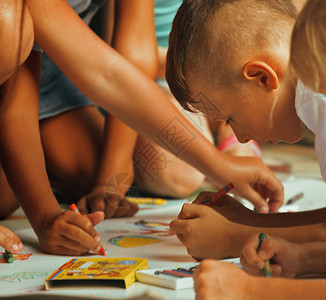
pixel 96 272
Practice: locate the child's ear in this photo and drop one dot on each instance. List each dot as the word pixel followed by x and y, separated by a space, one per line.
pixel 262 73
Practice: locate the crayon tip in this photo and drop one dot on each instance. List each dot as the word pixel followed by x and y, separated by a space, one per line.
pixel 9 256
pixel 102 252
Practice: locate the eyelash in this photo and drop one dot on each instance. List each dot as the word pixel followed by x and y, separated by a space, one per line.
pixel 227 122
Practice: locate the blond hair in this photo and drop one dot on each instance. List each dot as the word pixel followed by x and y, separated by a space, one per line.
pixel 207 36
pixel 308 46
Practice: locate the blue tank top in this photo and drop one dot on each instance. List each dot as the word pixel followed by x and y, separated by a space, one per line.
pixel 165 11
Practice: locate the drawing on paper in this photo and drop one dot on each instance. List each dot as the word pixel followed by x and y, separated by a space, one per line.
pixel 17 256
pixel 18 277
pixel 160 228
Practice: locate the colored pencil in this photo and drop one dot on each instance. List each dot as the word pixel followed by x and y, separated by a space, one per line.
pixel 218 194
pixel 73 207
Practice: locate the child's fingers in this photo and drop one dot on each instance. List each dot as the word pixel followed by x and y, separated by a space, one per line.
pixel 274 187
pixel 80 238
pixel 191 211
pixel 9 240
pixel 82 206
pixel 97 203
pixel 126 208
pixel 112 204
pixel 179 226
pixel 72 245
pixel 250 259
pixel 133 209
pixel 84 222
pixel 96 217
pixel 202 197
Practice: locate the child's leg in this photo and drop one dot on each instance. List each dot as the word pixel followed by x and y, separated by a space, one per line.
pixel 72 143
pixel 157 171
pixel 161 172
pixel 8 201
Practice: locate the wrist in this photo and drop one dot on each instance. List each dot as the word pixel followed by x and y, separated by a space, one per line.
pixel 238 237
pixel 311 258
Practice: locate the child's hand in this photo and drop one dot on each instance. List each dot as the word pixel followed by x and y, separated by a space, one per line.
pixel 9 240
pixel 112 204
pixel 227 206
pixel 206 233
pixel 221 280
pixel 254 181
pixel 285 256
pixel 70 233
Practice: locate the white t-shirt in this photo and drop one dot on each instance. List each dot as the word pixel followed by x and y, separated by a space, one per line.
pixel 311 109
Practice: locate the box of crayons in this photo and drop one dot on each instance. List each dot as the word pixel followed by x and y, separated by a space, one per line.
pixel 175 278
pixel 96 272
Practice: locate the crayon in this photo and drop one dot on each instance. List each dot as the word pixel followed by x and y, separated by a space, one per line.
pixel 267 268
pixel 152 201
pixel 184 271
pixel 177 273
pixel 9 256
pixel 218 194
pixel 294 199
pixel 168 274
pixel 74 208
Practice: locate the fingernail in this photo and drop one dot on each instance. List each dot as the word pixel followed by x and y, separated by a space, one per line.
pixel 262 254
pixel 263 209
pixel 20 246
pixel 97 250
pixel 14 247
pixel 97 238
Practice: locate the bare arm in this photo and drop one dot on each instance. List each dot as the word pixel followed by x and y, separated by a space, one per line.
pixel 134 38
pixel 23 160
pixel 116 85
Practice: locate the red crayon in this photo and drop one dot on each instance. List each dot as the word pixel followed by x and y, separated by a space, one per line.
pixel 74 208
pixel 176 273
pixel 218 194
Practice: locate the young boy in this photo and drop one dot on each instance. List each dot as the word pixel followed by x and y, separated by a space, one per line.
pixel 216 280
pixel 240 75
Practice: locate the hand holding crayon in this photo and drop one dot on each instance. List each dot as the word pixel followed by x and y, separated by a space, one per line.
pixel 267 268
pixel 74 208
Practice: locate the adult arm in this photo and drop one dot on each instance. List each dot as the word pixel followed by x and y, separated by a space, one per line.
pixel 116 85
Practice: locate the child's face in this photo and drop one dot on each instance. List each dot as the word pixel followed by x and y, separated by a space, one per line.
pixel 251 113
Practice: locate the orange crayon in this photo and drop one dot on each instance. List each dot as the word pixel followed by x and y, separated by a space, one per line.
pixel 73 207
pixel 218 194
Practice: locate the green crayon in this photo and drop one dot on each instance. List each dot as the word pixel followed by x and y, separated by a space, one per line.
pixel 267 268
pixel 9 256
